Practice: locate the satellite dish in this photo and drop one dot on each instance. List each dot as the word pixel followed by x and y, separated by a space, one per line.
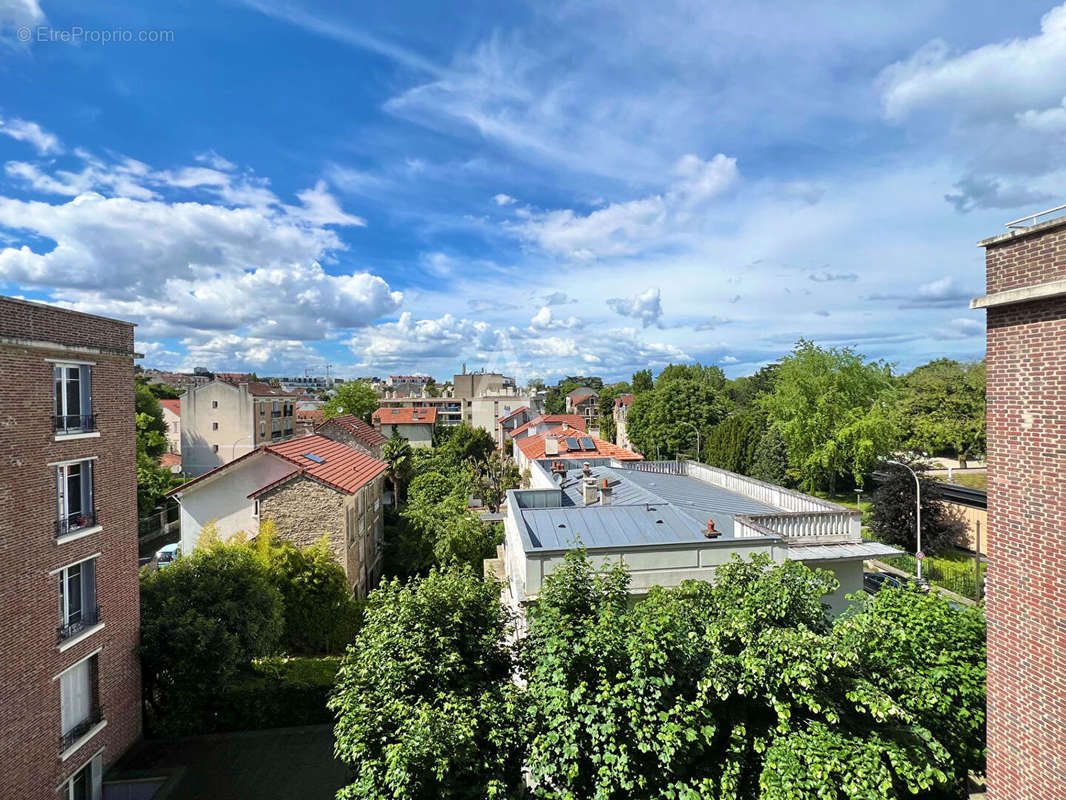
pixel 175 469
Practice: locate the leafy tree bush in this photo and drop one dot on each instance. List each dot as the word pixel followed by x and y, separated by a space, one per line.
pixel 399 456
pixel 352 397
pixel 660 421
pixel 771 459
pixel 469 444
pixel 423 698
pixel 276 693
pixel 495 475
pixel 832 408
pixel 733 442
pixel 202 619
pixel 942 405
pixel 642 381
pixel 892 515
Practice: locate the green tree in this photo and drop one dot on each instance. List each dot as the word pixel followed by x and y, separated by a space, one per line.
pixel 660 421
pixel 469 444
pixel 746 391
pixel 892 515
pixel 424 698
pixel 352 397
pixel 202 619
pixel 744 689
pixel 495 475
pixel 397 455
pixel 153 482
pixel 733 442
pixel 642 381
pixel 771 459
pixel 555 399
pixel 833 409
pixel 942 406
pixel 608 394
pixel 151 429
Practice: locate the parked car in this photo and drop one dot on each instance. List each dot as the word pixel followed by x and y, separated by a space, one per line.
pixel 167 555
pixel 873 582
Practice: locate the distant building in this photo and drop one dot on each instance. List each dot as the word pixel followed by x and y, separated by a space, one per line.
pixel 509 422
pixel 70 678
pixel 1025 594
pixel 670 521
pixel 413 424
pixel 307 419
pixel 305 383
pixel 565 443
pixel 408 385
pixel 478 384
pixel 544 422
pixel 586 403
pixel 352 431
pixel 478 399
pixel 308 487
pixel 172 417
pixel 621 420
pixel 221 421
pixel 177 380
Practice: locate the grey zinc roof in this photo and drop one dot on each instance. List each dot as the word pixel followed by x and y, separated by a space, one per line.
pixel 638 501
pixel 814 552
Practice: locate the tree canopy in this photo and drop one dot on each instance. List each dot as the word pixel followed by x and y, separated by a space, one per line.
pixel 942 408
pixel 352 397
pixel 893 511
pixel 660 422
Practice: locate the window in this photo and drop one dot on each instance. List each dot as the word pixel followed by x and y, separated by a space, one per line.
pixel 214 404
pixel 77 599
pixel 214 426
pixel 262 429
pixel 214 447
pixel 85 784
pixel 262 409
pixel 79 708
pixel 74 493
pixel 255 510
pixel 74 409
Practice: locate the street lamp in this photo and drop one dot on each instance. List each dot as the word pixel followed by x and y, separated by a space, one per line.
pixel 918 512
pixel 691 425
pixel 233 447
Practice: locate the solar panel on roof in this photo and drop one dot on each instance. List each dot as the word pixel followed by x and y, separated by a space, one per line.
pixel 571 443
pixel 316 459
pixel 587 443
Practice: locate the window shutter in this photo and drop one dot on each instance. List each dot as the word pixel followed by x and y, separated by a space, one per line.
pixel 97 776
pixel 87 487
pixel 86 390
pixel 61 492
pixel 88 587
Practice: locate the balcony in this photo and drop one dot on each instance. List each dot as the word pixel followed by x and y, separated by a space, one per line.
pixel 89 617
pixel 74 423
pixel 96 716
pixel 275 414
pixel 73 523
pixel 275 434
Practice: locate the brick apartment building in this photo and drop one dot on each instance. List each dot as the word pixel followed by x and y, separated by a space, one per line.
pixel 69 672
pixel 1026 584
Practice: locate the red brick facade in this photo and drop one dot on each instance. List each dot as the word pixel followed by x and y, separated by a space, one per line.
pixel 1026 585
pixel 30 552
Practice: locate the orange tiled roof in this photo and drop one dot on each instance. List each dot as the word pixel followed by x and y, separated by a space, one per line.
pixel 533 447
pixel 623 400
pixel 342 467
pixel 174 406
pixel 573 420
pixel 518 410
pixel 316 415
pixel 409 415
pixel 168 460
pixel 359 429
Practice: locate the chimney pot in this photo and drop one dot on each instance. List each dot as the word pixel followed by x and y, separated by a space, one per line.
pixel 712 532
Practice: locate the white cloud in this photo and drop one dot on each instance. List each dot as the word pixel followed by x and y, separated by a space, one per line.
pixel 504 199
pixel 33 134
pixel 646 306
pixel 1050 120
pixel 215 161
pixel 729 359
pixel 545 319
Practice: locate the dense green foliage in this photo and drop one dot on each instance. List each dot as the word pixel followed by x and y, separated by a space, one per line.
pixel 832 408
pixel 352 397
pixel 399 457
pixel 743 688
pixel 153 481
pixel 465 443
pixel 661 420
pixel 276 693
pixel 494 476
pixel 423 698
pixel 733 443
pixel 892 516
pixel 642 381
pixel 942 408
pixel 771 459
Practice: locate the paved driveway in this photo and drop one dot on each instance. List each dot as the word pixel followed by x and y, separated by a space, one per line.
pixel 277 764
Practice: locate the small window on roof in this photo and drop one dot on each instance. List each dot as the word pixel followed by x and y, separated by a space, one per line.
pixel 316 459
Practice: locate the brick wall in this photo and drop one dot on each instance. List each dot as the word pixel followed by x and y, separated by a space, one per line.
pixel 31 660
pixel 1026 585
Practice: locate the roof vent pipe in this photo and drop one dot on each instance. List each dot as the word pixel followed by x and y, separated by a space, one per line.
pixel 586 468
pixel 711 532
pixel 605 493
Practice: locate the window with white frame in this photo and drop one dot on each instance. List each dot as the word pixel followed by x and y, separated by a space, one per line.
pixel 77 598
pixel 74 408
pixel 78 705
pixel 214 426
pixel 86 783
pixel 74 495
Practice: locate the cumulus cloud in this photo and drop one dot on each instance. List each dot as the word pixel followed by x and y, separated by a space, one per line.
pixel 629 227
pixel 966 327
pixel 710 323
pixel 33 134
pixel 544 320
pixel 646 306
pixel 940 293
pixel 504 199
pixel 977 191
pixel 558 299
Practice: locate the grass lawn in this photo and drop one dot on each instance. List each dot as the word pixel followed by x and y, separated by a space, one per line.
pixel 975 480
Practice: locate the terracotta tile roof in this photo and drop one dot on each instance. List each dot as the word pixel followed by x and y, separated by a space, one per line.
pixel 532 447
pixel 623 400
pixel 408 415
pixel 256 388
pixel 359 429
pixel 506 417
pixel 573 420
pixel 169 460
pixel 337 465
pixel 174 406
pixel 316 415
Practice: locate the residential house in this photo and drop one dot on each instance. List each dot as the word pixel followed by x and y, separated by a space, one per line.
pixel 476 398
pixel 307 419
pixel 309 383
pixel 621 416
pixel 176 380
pixel 70 684
pixel 1025 597
pixel 585 403
pixel 544 422
pixel 172 418
pixel 352 431
pixel 668 522
pixel 221 421
pixel 413 424
pixel 308 487
pixel 510 421
pixel 408 385
pixel 563 443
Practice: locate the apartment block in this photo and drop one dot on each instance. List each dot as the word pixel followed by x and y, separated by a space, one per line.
pixel 1025 591
pixel 69 673
pixel 223 420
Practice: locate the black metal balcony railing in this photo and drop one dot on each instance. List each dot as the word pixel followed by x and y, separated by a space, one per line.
pixel 275 413
pixel 275 434
pixel 96 716
pixel 89 617
pixel 74 423
pixel 75 522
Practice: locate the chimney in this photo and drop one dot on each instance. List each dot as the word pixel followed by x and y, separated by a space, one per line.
pixel 711 532
pixel 566 426
pixel 559 469
pixel 605 493
pixel 586 469
pixel 588 491
pixel 551 446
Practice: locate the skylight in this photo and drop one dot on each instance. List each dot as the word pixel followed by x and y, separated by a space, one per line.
pixel 316 459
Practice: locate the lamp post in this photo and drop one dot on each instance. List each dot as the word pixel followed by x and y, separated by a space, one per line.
pixel 233 447
pixel 918 512
pixel 691 425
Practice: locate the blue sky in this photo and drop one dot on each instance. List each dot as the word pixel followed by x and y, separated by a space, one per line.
pixel 545 188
